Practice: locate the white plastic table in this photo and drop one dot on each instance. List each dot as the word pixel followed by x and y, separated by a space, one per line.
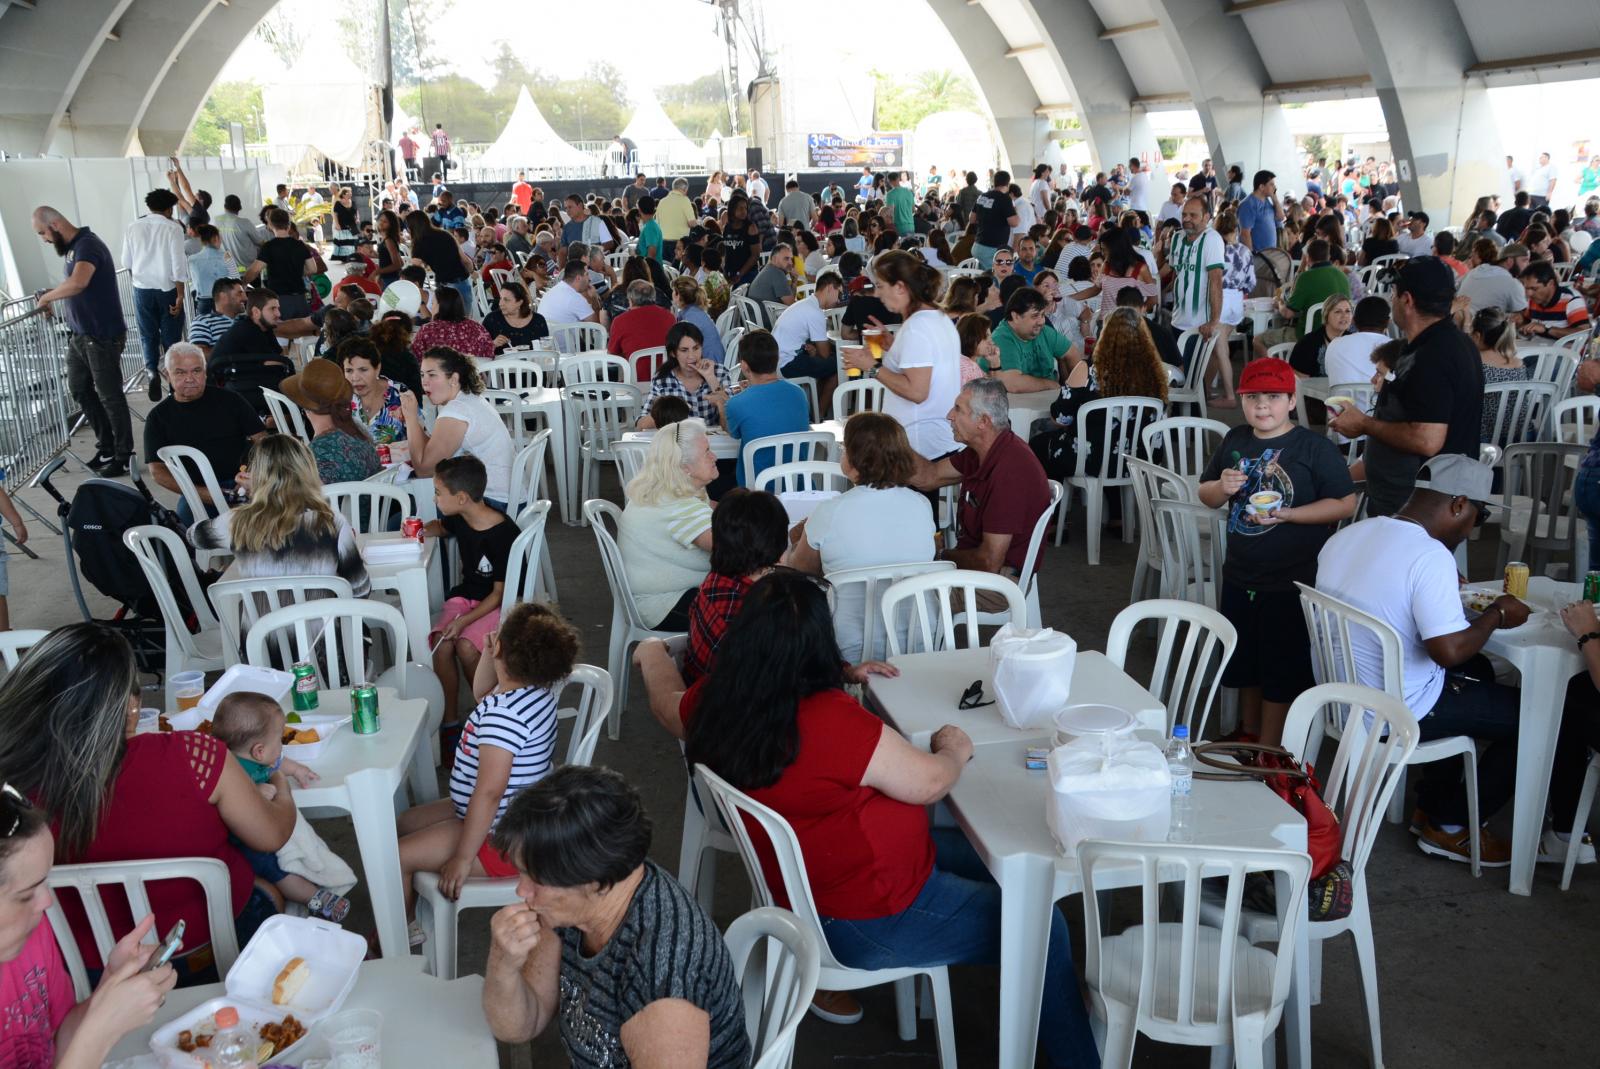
pixel 426 1021
pixel 360 775
pixel 550 403
pixel 1545 655
pixel 924 696
pixel 1317 387
pixel 1029 406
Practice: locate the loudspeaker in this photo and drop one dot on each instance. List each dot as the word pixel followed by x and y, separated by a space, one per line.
pixel 752 159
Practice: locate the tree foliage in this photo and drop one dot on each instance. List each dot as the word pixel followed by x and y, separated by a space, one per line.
pixel 229 102
pixel 904 102
pixel 700 108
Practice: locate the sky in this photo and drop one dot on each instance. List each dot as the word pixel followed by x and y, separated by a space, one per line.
pixel 678 36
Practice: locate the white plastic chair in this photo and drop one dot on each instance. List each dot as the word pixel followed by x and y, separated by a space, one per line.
pixel 511 373
pixel 1576 420
pixel 596 367
pixel 728 322
pixel 630 458
pixel 1555 364
pixel 1028 578
pixel 512 408
pixel 1194 646
pixel 1540 521
pixel 1196 353
pixel 239 603
pixel 157 549
pixel 523 578
pixel 644 363
pixel 934 601
pixel 579 337
pixel 438 915
pixel 873 581
pixel 730 354
pixel 857 395
pixel 328 632
pixel 617 260
pixel 739 812
pixel 750 315
pixel 14 645
pixel 627 627
pixel 1365 398
pixel 286 415
pixel 191 470
pixel 1183 444
pixel 603 413
pixel 131 879
pixel 1152 482
pixel 369 507
pixel 803 475
pixel 1330 622
pixel 1123 418
pixel 1183 981
pixel 1580 819
pixel 527 486
pixel 1192 541
pixel 1521 410
pixel 789 448
pixel 777 960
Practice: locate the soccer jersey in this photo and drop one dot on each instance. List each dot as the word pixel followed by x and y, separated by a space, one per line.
pixel 1192 259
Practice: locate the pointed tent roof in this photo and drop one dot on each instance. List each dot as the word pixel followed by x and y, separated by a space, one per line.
pixel 658 138
pixel 529 141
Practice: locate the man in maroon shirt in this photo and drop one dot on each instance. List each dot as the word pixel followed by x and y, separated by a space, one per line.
pixel 1003 487
pixel 643 326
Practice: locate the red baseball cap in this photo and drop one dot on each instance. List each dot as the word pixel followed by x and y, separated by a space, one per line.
pixel 1267 375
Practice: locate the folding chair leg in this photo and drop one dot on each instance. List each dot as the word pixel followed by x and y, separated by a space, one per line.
pixel 1580 819
pixel 1367 961
pixel 1471 760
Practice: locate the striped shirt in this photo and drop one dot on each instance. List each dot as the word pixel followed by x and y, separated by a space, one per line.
pixel 1192 260
pixel 208 327
pixel 523 723
pixel 666 948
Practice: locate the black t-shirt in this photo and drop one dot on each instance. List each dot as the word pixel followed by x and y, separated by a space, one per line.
pixel 345 216
pixel 994 210
pixel 285 260
pixel 219 424
pixel 247 358
pixel 440 252
pixel 1372 248
pixel 484 555
pixel 1310 354
pixel 519 337
pixel 1098 192
pixel 865 306
pixel 1304 467
pixel 1439 380
pixel 1512 223
pixel 737 248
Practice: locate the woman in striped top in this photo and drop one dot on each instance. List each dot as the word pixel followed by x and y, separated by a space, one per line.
pixel 508 743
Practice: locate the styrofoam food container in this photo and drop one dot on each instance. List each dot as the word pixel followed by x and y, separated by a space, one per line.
pixel 1539 608
pixel 327 724
pixel 269 681
pixel 1089 718
pixel 333 954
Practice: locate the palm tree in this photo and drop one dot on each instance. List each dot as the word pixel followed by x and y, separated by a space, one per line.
pixel 944 90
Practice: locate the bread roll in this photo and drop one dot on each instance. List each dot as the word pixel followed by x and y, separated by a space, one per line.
pixel 290 981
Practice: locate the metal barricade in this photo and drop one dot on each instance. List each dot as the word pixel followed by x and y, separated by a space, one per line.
pixel 133 370
pixel 33 394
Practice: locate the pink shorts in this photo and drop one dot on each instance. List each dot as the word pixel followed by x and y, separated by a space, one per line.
pixel 476 631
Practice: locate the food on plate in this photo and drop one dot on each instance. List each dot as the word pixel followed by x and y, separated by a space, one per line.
pixel 281 1034
pixel 290 980
pixel 300 737
pixel 199 1039
pixel 275 1036
pixel 1477 600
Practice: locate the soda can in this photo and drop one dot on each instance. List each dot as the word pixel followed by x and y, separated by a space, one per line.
pixel 411 527
pixel 383 455
pixel 1517 579
pixel 1591 587
pixel 364 710
pixel 305 686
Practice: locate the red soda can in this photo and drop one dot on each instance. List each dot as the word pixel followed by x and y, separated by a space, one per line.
pixel 383 455
pixel 411 527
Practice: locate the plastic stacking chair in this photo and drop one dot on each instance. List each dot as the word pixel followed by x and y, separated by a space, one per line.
pixel 1540 520
pixel 527 486
pixel 286 415
pixel 1194 646
pixel 161 555
pixel 788 448
pixel 740 812
pixel 777 960
pixel 920 612
pixel 511 373
pixel 857 395
pixel 1121 420
pixel 436 913
pixel 1576 420
pixel 1182 444
pixel 191 470
pixel 630 458
pixel 1196 353
pixel 803 475
pixel 523 580
pixel 1152 482
pixel 239 603
pixel 1580 819
pixel 579 337
pixel 14 645
pixel 370 507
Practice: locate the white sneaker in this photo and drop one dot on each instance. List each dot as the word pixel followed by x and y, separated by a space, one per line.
pixel 1553 849
pixel 416 935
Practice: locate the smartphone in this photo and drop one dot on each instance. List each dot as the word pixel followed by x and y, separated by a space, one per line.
pixel 169 946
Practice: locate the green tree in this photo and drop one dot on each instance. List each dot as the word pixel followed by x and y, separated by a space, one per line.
pixel 229 102
pixel 699 108
pixel 904 102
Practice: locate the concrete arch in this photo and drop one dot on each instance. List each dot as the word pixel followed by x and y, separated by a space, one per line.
pixel 189 78
pixel 45 52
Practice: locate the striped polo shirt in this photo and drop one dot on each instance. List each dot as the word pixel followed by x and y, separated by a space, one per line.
pixel 1192 259
pixel 521 722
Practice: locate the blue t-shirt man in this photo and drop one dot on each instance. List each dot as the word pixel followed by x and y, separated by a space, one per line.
pixel 777 407
pixel 97 311
pixel 1260 218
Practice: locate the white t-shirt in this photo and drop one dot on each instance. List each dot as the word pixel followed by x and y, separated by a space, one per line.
pixel 486 438
pixel 1169 210
pixel 1411 246
pixel 658 550
pixel 1349 358
pixel 1539 181
pixel 862 528
pixel 563 304
pixel 1139 191
pixel 927 339
pixel 1415 592
pixel 757 188
pixel 1025 216
pixel 1039 195
pixel 801 322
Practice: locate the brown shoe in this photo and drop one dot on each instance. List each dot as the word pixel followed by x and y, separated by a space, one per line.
pixel 1419 820
pixel 1493 853
pixel 836 1007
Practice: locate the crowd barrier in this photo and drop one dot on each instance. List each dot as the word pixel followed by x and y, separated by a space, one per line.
pixel 34 417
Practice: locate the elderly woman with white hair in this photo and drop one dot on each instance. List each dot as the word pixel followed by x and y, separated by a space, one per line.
pixel 665 533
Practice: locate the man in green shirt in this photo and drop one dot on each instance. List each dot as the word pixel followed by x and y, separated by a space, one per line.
pixel 1319 280
pixel 1030 347
pixel 904 202
pixel 650 240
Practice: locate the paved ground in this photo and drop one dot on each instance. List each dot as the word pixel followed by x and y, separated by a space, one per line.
pixel 1471 976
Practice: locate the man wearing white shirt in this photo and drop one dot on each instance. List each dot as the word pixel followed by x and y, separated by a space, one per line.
pixel 1042 192
pixel 1025 216
pixel 757 187
pixel 1138 187
pixel 804 349
pixel 571 300
pixel 1349 358
pixel 1542 183
pixel 152 250
pixel 1514 181
pixel 1415 240
pixel 1172 207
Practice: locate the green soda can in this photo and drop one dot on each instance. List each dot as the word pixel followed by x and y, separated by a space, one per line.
pixel 305 686
pixel 364 710
pixel 1591 587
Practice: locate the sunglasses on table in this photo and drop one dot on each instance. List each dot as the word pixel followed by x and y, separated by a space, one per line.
pixel 972 697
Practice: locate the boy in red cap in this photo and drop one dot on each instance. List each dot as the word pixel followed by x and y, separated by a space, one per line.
pixel 1285 488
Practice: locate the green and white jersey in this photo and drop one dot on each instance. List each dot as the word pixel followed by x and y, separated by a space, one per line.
pixel 1191 260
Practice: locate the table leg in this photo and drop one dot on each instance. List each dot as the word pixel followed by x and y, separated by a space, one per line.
pixel 1544 689
pixel 412 585
pixel 555 419
pixel 569 425
pixel 1026 883
pixel 420 776
pixel 372 813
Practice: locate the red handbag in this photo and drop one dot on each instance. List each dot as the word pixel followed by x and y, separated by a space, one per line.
pixel 1289 780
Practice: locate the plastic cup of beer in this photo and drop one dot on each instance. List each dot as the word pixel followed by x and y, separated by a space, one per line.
pixel 187 687
pixel 877 339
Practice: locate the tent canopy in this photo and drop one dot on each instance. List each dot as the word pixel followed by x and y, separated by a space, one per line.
pixel 323 104
pixel 659 141
pixel 529 141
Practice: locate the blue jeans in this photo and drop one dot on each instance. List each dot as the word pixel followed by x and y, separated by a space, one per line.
pixel 955 920
pixel 985 255
pixel 159 329
pixel 464 287
pixel 1586 495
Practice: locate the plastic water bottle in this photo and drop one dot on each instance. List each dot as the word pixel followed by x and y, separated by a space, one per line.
pixel 1180 762
pixel 233 1047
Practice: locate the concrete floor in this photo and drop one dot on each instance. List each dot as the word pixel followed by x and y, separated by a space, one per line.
pixel 1470 975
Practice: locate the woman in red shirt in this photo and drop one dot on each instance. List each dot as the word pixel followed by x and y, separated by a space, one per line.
pixel 451 328
pixel 68 743
pixel 774 720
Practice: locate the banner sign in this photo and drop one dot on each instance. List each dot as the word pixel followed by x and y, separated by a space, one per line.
pixel 878 150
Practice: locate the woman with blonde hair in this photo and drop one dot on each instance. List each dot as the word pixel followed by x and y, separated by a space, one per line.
pixel 1125 363
pixel 1495 335
pixel 689 305
pixel 287 527
pixel 665 531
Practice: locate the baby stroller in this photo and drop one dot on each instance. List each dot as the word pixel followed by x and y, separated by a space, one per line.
pixel 92 526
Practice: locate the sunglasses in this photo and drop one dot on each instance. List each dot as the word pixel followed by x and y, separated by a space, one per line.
pixel 972 697
pixel 15 803
pixel 1483 514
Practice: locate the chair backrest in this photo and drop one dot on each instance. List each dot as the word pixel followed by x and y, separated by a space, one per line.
pixel 596 367
pixel 1150 482
pixel 588 716
pixel 522 567
pixel 833 319
pixel 1543 473
pixel 1576 420
pixel 1554 364
pixel 131 878
pixel 1029 576
pixel 162 554
pixel 328 632
pixel 1391 258
pixel 1337 628
pixel 187 465
pixel 1122 420
pixel 873 581
pixel 749 312
pixel 1369 763
pixel 774 311
pixel 1183 444
pixel 789 448
pixel 1314 316
pixel 369 506
pixel 527 473
pixel 1521 410
pixel 1191 566
pixel 15 644
pixel 604 413
pixel 857 395
pixel 777 961
pixel 1196 352
pixel 511 373
pixel 239 603
pixel 512 408
pixel 802 475
pixel 630 458
pixel 931 602
pixel 605 519
pixel 1167 964
pixel 730 353
pixel 617 260
pixel 579 337
pixel 286 415
pixel 728 322
pixel 1193 647
pixel 646 362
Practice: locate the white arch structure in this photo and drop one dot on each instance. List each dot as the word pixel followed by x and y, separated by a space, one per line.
pixel 95 77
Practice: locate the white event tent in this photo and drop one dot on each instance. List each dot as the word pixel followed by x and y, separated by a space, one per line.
pixel 661 145
pixel 529 141
pixel 323 104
